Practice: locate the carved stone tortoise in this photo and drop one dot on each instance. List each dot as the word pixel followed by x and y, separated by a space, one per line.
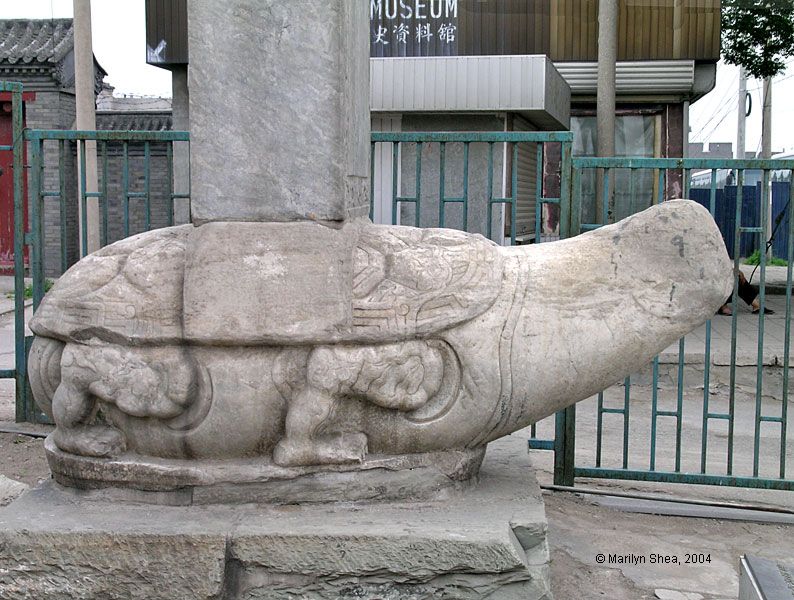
pixel 301 344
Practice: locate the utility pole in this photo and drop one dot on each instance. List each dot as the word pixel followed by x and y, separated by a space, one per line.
pixel 605 100
pixel 85 106
pixel 766 134
pixel 766 154
pixel 741 109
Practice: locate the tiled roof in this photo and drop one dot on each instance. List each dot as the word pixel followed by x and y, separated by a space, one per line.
pixel 34 41
pixel 133 121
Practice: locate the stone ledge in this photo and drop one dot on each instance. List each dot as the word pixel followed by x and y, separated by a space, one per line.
pixel 133 478
pixel 487 542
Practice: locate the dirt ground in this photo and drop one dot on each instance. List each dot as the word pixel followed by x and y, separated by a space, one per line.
pixel 579 530
pixel 23 457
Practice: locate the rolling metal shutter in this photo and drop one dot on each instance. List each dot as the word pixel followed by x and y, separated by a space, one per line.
pixel 527 178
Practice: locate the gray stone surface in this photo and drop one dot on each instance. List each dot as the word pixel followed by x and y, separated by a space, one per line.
pixel 762 579
pixel 488 542
pixel 10 489
pixel 252 284
pixel 418 477
pixel 279 111
pixel 366 341
pixel 663 594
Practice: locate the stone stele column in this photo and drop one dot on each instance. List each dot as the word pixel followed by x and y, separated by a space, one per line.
pixel 279 110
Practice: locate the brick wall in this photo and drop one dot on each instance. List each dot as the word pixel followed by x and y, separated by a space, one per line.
pixel 159 188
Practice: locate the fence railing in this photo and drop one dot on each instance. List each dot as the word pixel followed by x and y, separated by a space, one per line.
pixel 70 143
pixel 485 181
pixel 479 151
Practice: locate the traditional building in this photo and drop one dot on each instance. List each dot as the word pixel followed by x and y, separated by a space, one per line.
pixel 40 55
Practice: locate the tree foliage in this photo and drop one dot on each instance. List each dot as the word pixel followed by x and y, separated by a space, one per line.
pixel 758 35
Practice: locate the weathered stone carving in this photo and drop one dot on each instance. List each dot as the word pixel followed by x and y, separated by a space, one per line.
pixel 295 345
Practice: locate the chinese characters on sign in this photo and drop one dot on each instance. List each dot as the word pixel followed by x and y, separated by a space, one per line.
pixel 446 33
pixel 407 22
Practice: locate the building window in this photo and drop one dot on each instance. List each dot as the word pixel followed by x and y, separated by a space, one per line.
pixel 635 136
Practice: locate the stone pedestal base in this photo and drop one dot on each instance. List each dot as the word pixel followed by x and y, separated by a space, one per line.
pixel 133 478
pixel 485 542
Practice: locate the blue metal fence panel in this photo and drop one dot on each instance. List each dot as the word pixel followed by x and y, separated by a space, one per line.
pixel 725 210
pixel 725 215
pixel 781 192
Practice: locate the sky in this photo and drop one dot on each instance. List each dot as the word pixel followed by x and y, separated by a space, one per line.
pixel 119 38
pixel 118 32
pixel 714 117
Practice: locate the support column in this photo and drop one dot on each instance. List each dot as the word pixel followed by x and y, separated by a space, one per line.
pixel 766 154
pixel 766 134
pixel 605 99
pixel 180 116
pixel 279 110
pixel 741 109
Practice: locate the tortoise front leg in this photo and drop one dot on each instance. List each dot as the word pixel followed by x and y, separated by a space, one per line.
pixel 401 376
pixel 73 406
pixel 302 445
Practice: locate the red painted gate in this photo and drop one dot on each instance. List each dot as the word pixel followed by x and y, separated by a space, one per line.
pixel 7 189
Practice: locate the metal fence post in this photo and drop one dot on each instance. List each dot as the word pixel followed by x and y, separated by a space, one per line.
pixel 570 207
pixel 564 446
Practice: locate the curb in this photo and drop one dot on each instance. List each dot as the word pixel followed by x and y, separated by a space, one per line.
pixel 8 311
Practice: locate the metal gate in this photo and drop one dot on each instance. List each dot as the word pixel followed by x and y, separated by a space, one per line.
pixel 734 436
pixel 11 125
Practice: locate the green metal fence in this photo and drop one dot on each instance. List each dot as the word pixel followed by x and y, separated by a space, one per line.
pixel 69 144
pixel 17 142
pixel 418 141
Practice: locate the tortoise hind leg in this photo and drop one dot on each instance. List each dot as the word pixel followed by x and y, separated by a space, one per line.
pixel 71 407
pixel 401 377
